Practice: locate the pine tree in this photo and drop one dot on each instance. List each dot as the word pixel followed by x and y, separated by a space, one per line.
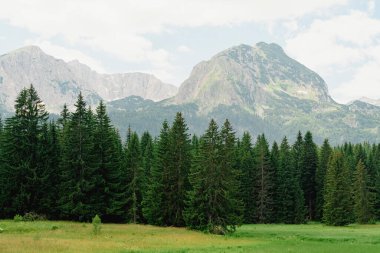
pixel 179 166
pixel 49 161
pixel 264 185
pixel 309 164
pixel 363 196
pixel 277 198
pixel 79 166
pixel 21 174
pixel 337 209
pixel 155 208
pixel 212 204
pixel 247 178
pixel 135 177
pixel 107 150
pixel 147 153
pixel 320 177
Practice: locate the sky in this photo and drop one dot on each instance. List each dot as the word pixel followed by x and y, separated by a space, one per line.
pixel 338 39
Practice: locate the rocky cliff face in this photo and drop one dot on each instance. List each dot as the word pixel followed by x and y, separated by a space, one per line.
pixel 59 82
pixel 250 77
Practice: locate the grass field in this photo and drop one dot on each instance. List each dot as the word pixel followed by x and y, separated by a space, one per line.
pixel 58 236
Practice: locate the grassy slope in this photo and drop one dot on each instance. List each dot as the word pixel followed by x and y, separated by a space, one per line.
pixel 76 237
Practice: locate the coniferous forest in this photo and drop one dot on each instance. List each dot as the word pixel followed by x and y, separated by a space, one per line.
pixel 78 166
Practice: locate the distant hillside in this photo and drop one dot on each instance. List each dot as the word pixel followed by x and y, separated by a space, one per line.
pixel 59 82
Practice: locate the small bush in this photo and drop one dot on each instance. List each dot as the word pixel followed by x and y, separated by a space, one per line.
pixel 96 222
pixel 1 230
pixel 54 227
pixel 33 217
pixel 18 218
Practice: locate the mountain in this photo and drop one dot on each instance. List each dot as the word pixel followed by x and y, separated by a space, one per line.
pixel 258 88
pixel 261 90
pixel 250 77
pixel 60 82
pixel 370 101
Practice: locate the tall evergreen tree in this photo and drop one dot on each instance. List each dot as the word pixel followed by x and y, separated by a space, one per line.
pixel 79 166
pixel 21 175
pixel 247 178
pixel 135 177
pixel 107 152
pixel 324 156
pixel 49 162
pixel 264 185
pixel 155 209
pixel 179 166
pixel 363 196
pixel 290 200
pixel 275 164
pixel 212 204
pixel 309 164
pixel 337 209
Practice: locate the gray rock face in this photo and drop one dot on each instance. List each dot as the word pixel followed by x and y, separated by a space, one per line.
pixel 59 82
pixel 249 76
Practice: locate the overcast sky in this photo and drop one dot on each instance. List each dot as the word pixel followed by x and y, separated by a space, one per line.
pixel 339 39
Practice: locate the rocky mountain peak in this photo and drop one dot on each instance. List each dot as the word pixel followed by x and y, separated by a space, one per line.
pixel 60 82
pixel 251 76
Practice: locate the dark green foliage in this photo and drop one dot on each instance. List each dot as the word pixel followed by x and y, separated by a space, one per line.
pixel 264 182
pixel 178 169
pixel 247 177
pixel 337 209
pixel 212 203
pixel 77 168
pixel 108 157
pixel 324 157
pixel 363 196
pixel 80 176
pixel 21 156
pixel 135 180
pixel 154 203
pixel 290 201
pixel 309 164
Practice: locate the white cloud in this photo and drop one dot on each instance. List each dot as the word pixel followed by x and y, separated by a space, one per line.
pixel 183 49
pixel 67 54
pixel 365 83
pixel 118 27
pixel 345 45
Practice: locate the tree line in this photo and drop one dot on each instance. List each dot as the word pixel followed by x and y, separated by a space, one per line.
pixel 78 167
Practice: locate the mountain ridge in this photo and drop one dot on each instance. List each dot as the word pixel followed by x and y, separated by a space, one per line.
pixel 60 82
pixel 259 88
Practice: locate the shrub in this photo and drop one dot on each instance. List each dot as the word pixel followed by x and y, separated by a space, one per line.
pixel 96 222
pixel 1 230
pixel 18 218
pixel 54 227
pixel 33 217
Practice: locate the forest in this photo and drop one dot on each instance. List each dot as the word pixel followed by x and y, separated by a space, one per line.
pixel 79 166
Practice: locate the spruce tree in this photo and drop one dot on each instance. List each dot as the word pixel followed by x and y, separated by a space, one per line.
pixel 135 177
pixel 179 166
pixel 79 166
pixel 324 156
pixel 49 162
pixel 275 160
pixel 309 164
pixel 21 174
pixel 363 196
pixel 212 204
pixel 107 151
pixel 155 209
pixel 247 178
pixel 337 209
pixel 264 183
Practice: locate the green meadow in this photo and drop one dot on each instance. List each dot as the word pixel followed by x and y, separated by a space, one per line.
pixel 60 236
